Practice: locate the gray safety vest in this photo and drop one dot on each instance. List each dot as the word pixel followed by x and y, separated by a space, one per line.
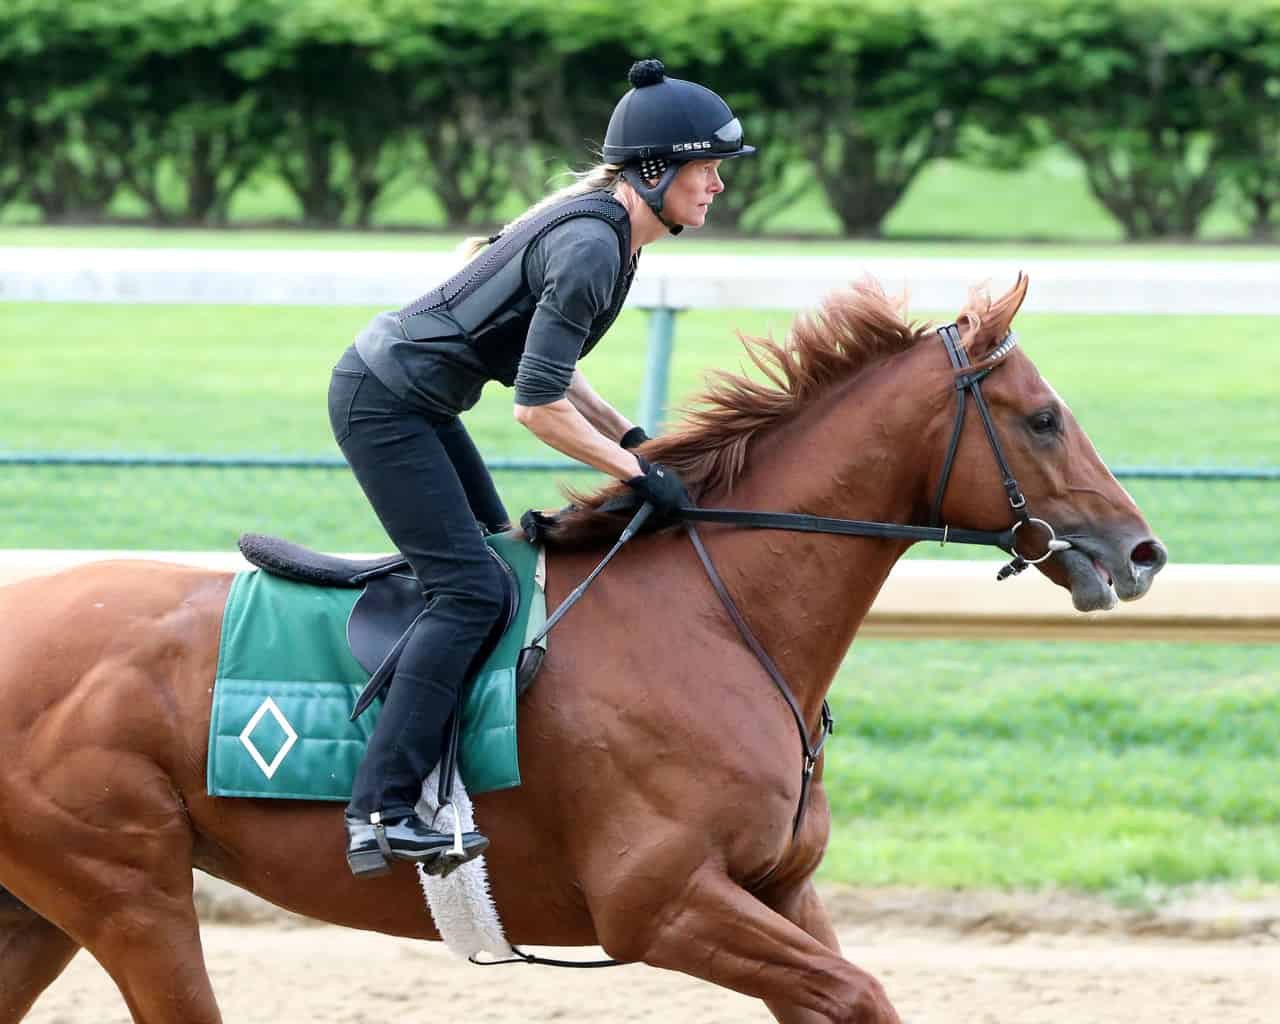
pixel 489 302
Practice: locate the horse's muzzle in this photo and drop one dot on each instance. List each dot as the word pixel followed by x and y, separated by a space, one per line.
pixel 1102 571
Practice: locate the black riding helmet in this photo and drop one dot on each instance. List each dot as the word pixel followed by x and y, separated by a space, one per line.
pixel 665 122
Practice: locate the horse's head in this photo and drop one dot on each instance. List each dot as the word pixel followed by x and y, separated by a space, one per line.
pixel 1112 552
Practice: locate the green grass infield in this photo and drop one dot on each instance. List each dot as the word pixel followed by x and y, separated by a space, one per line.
pixel 1121 769
pixel 225 380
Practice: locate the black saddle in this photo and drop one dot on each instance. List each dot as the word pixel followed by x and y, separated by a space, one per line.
pixel 294 562
pixel 384 615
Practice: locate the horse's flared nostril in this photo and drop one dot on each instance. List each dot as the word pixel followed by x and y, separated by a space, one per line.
pixel 1149 556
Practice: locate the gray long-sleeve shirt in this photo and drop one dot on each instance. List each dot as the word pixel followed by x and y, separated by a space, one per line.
pixel 573 270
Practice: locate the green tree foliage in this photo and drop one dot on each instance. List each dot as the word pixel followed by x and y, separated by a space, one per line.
pixel 192 132
pixel 865 96
pixel 469 72
pixel 1168 103
pixel 60 108
pixel 1249 110
pixel 329 102
pixel 1131 87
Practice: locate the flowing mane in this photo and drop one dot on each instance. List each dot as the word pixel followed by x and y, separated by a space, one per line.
pixel 854 327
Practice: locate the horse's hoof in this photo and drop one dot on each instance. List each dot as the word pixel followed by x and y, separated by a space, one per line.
pixel 368 864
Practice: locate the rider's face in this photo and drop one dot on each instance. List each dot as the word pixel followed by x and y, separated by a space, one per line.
pixel 691 193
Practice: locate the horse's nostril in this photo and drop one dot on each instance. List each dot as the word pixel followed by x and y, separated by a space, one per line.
pixel 1148 555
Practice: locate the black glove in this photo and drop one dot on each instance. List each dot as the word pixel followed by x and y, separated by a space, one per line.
pixel 661 485
pixel 634 437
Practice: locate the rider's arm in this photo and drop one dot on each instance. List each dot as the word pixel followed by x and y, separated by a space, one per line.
pixel 574 268
pixel 599 413
pixel 566 430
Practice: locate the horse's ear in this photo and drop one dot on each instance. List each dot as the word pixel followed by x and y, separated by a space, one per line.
pixel 988 327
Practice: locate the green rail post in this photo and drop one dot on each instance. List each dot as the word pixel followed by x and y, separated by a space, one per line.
pixel 653 403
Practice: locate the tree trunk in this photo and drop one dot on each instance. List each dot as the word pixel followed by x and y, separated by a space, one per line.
pixel 467 161
pixel 1151 186
pixel 865 177
pixel 69 187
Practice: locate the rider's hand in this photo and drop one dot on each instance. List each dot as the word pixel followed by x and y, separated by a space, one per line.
pixel 661 485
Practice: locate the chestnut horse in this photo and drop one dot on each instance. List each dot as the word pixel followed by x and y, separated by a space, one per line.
pixel 661 767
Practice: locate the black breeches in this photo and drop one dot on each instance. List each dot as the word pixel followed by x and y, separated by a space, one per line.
pixel 431 490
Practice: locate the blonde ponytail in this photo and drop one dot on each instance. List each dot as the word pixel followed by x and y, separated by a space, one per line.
pixel 601 177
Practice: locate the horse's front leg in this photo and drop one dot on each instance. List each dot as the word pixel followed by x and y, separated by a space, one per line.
pixel 713 929
pixel 32 954
pixel 802 906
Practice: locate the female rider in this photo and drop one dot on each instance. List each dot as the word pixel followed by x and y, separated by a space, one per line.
pixel 530 303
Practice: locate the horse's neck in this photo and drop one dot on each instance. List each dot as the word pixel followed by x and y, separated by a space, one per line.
pixel 805 595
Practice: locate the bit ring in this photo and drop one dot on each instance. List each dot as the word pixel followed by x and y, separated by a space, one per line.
pixel 1055 545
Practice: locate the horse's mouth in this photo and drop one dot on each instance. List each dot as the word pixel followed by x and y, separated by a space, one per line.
pixel 1095 584
pixel 1092 585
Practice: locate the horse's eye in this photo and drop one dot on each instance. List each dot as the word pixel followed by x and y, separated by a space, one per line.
pixel 1045 422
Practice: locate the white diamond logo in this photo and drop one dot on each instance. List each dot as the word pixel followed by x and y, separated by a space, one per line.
pixel 291 737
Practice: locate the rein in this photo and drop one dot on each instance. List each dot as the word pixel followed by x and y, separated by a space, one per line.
pixel 967 385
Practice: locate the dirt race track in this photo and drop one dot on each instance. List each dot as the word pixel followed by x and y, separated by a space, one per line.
pixel 947 960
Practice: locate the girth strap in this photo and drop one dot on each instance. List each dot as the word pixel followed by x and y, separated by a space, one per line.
pixel 826 725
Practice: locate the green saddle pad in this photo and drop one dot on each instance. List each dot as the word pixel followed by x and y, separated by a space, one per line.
pixel 286 682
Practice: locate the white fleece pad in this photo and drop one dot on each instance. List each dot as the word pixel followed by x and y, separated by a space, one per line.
pixel 461 904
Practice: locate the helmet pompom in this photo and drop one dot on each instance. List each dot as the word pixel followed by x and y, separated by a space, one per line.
pixel 646 72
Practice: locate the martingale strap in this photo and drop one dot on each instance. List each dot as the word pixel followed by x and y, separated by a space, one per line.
pixel 826 723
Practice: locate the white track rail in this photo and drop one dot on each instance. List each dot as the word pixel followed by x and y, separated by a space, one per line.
pixel 938 599
pixel 667 280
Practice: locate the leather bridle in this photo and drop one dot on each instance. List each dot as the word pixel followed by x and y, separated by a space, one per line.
pixel 968 384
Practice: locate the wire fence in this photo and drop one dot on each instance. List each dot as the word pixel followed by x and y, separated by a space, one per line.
pixel 199 461
pixel 199 502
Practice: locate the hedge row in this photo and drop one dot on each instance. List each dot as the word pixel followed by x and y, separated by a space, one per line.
pixel 1168 103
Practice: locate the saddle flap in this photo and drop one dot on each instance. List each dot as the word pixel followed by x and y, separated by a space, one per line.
pixel 391 603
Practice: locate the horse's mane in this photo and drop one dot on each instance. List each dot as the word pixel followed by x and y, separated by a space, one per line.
pixel 854 327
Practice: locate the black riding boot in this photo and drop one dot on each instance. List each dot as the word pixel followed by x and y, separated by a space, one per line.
pixel 372 842
pixel 405 746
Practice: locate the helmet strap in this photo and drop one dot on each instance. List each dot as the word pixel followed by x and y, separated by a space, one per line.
pixel 653 195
